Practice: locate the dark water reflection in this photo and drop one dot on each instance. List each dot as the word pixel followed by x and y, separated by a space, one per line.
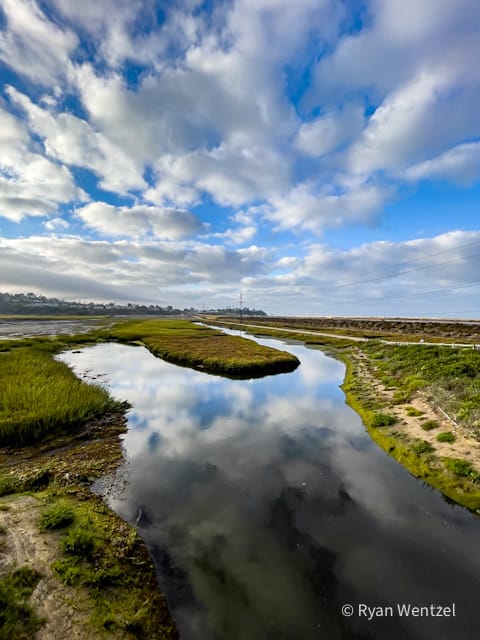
pixel 266 506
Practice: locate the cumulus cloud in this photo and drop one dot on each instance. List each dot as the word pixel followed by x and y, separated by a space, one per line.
pixel 459 164
pixel 402 277
pixel 56 224
pixel 73 141
pixel 331 131
pixel 30 184
pixel 139 221
pixel 314 209
pixel 425 276
pixel 153 271
pixel 35 46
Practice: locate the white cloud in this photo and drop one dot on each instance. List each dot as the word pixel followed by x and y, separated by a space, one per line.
pixel 56 224
pixel 139 221
pixel 331 131
pixel 33 45
pixel 417 277
pixel 460 164
pixel 30 185
pixel 238 235
pixel 314 209
pixel 73 141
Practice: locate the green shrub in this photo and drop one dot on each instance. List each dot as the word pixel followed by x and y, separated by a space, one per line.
pixel 460 467
pixel 422 446
pixel 428 425
pixel 401 395
pixel 382 420
pixel 58 516
pixel 446 436
pixel 412 411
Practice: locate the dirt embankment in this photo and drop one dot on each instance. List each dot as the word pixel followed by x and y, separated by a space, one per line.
pixel 452 466
pixel 411 426
pixel 467 331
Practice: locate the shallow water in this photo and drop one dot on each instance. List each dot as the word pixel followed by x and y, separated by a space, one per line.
pixel 10 329
pixel 267 507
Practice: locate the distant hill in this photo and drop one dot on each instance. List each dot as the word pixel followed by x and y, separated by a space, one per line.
pixel 32 304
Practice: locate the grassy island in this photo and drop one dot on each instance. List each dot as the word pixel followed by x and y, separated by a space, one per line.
pixel 192 345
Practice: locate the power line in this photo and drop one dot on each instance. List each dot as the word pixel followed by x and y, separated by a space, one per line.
pixel 432 255
pixel 418 293
pixel 429 266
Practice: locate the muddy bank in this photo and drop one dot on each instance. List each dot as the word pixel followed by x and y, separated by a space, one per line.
pixel 112 590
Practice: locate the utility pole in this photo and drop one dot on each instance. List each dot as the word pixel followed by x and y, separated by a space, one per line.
pixel 241 307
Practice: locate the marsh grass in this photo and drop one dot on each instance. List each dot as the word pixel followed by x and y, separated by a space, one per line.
pixel 17 620
pixel 185 343
pixel 57 516
pixel 460 485
pixel 382 420
pixel 104 556
pixel 461 468
pixel 40 396
pixel 412 411
pixel 429 425
pixel 446 436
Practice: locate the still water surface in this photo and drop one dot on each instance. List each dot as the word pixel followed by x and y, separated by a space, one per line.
pixel 266 506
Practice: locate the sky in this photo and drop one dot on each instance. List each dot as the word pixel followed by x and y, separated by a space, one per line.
pixel 320 156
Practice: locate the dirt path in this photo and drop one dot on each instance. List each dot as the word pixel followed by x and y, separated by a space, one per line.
pixel 464 446
pixel 64 609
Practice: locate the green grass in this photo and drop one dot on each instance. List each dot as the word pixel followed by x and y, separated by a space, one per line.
pixel 460 467
pixel 428 425
pixel 7 485
pixel 40 396
pixel 412 411
pixel 104 556
pixel 17 620
pixel 450 377
pixel 446 436
pixel 57 516
pixel 422 446
pixel 185 343
pixel 382 420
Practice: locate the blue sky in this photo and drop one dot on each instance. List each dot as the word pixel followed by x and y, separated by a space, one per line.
pixel 321 156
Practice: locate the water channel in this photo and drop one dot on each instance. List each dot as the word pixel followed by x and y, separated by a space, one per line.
pixel 266 506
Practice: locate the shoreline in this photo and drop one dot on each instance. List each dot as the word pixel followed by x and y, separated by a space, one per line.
pixel 416 449
pixel 400 439
pixel 114 593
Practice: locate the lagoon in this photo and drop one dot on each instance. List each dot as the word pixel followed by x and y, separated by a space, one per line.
pixel 267 507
